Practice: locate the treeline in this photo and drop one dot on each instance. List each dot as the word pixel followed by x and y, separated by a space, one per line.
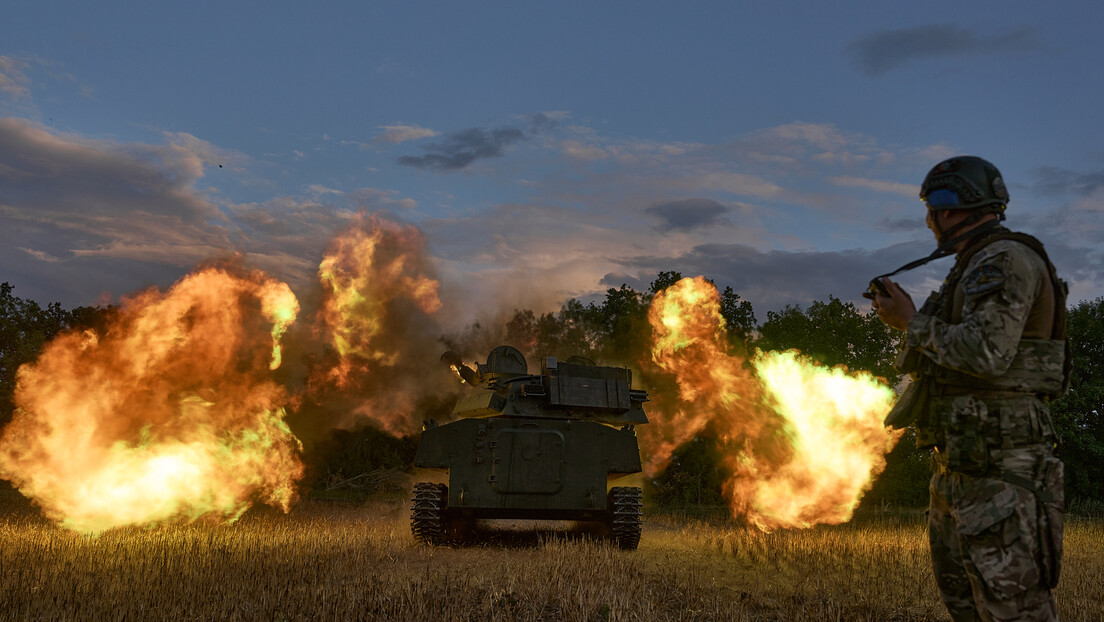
pixel 615 330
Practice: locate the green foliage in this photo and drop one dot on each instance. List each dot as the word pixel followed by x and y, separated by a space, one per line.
pixel 1078 415
pixel 739 318
pixel 904 482
pixel 833 333
pixel 623 318
pixel 663 280
pixel 575 330
pixel 694 476
pixel 24 328
pixel 616 330
pixel 348 454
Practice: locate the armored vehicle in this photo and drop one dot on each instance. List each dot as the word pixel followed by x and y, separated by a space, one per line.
pixel 544 446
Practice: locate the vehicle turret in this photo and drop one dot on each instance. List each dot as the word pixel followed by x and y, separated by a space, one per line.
pixel 533 446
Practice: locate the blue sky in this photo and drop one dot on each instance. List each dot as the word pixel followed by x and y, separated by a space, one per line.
pixel 546 150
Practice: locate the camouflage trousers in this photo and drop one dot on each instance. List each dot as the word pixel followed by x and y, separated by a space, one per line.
pixel 995 544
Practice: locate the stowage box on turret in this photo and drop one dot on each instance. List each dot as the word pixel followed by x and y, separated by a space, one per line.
pixel 524 446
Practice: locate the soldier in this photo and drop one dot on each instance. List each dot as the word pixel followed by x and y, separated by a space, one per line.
pixel 986 354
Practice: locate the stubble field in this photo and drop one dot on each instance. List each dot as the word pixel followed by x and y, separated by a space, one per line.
pixel 349 562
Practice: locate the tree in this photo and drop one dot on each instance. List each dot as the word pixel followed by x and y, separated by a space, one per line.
pixel 739 318
pixel 521 330
pixel 1079 416
pixel 694 475
pixel 24 328
pixel 578 329
pixel 663 280
pixel 623 323
pixel 833 333
pixel 575 330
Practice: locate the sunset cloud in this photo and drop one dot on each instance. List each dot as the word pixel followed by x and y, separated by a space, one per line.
pixel 765 213
pixel 13 80
pixel 395 134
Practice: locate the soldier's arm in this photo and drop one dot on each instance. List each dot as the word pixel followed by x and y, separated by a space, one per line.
pixel 1000 285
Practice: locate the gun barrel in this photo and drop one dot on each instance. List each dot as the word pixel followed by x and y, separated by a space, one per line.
pixel 467 374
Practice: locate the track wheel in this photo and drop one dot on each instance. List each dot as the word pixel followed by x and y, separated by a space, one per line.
pixel 428 503
pixel 625 503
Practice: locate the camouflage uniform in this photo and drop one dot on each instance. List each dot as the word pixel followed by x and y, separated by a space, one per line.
pixel 991 360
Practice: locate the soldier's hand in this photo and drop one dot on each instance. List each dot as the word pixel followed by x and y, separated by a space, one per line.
pixel 897 308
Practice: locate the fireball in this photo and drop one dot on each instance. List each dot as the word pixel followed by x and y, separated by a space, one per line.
pixel 377 299
pixel 372 263
pixel 169 414
pixel 802 442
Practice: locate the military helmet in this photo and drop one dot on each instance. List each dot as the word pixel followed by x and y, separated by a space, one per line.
pixel 964 182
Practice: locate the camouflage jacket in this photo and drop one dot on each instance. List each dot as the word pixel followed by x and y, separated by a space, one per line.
pixel 996 332
pixel 993 329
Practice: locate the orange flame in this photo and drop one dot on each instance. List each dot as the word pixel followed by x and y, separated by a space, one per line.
pixel 376 291
pixel 170 414
pixel 802 442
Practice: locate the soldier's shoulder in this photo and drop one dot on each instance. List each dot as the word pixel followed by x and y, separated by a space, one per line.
pixel 1011 253
pixel 1007 264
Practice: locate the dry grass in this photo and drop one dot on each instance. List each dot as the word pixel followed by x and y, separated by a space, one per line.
pixel 345 562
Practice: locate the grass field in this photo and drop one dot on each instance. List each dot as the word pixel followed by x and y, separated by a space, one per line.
pixel 344 562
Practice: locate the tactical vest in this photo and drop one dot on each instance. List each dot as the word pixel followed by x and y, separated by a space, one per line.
pixel 1031 373
pixel 1032 370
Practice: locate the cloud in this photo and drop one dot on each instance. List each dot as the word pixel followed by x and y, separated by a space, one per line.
pixel 884 51
pixel 50 175
pixel 82 217
pixel 771 164
pixel 1051 180
pixel 13 77
pixel 1072 237
pixel 320 190
pixel 1078 218
pixel 800 148
pixel 580 227
pixel 774 279
pixel 285 236
pixel 395 134
pixel 84 220
pixel 374 199
pixel 734 183
pixel 460 149
pixel 22 75
pixel 903 225
pixel 578 150
pixel 40 255
pixel 1068 221
pixel 687 214
pixel 890 187
pixel 544 121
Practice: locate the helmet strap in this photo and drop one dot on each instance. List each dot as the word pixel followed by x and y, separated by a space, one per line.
pixel 947 248
pixel 950 241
